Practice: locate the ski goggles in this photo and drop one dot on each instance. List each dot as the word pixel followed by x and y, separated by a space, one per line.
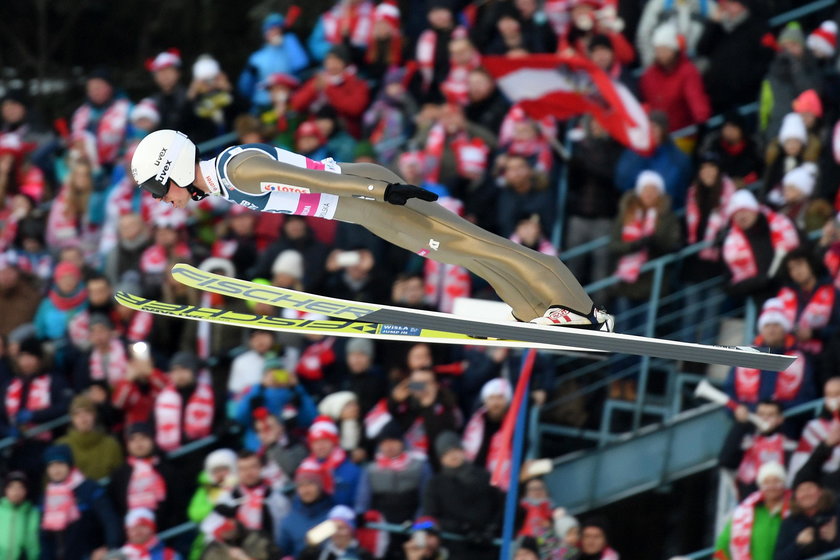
pixel 155 188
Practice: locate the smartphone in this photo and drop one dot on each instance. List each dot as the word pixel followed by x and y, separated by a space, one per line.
pixel 321 532
pixel 417 386
pixel 348 258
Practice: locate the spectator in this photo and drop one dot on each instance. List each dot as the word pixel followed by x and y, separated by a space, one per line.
pixel 461 498
pixel 593 198
pixel 738 153
pixel 106 360
pixel 227 539
pixel 537 509
pixel 142 540
pixel 18 118
pixel 386 50
pixel 348 24
pixel 688 19
pixel 480 441
pixel 792 71
pixel 281 54
pixel 524 191
pixel 672 83
pixel 29 251
pixel 529 232
pixel 486 106
pixel 297 234
pixel 527 549
pixel 737 58
pixel 135 395
pixel 278 118
pixel 363 377
pixel 310 506
pixel 214 482
pixel 215 104
pixel 594 542
pixel 754 246
pixel 169 245
pixel 239 245
pixel 511 38
pixel 19 519
pixel 797 201
pixel 811 528
pixel 19 297
pixel 184 409
pixel 522 135
pixel 818 444
pixel 748 447
pixel 567 529
pixel 423 410
pixel 77 518
pixel 793 148
pixel 463 58
pixel 432 52
pixel 327 454
pixel 245 371
pixel 258 505
pixel 588 19
pixel 535 26
pixel 144 119
pixel 66 297
pixel 338 144
pixel 170 99
pixel 666 159
pixel 794 385
pixel 425 542
pixel 342 543
pixel 70 219
pixel 132 240
pixel 343 408
pixel 354 275
pixel 95 453
pixel 336 85
pixel 103 117
pixel 394 482
pixel 388 123
pixel 282 452
pixel 278 389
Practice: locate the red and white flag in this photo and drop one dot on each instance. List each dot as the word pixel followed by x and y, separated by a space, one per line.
pixel 566 86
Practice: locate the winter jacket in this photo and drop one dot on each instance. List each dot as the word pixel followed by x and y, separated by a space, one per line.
pixel 289 57
pixel 59 401
pixel 667 160
pixel 170 512
pixel 511 206
pixel 786 546
pixel 96 454
pixel 488 113
pixel 205 498
pixel 302 518
pixel 349 98
pixel 396 494
pixel 19 304
pixel 678 91
pixel 436 418
pixel 765 529
pixel 19 526
pixel 51 322
pixel 275 399
pixel 592 190
pixel 787 77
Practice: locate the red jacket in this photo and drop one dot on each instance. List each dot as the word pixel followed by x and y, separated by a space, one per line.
pixel 349 99
pixel 678 91
pixel 136 403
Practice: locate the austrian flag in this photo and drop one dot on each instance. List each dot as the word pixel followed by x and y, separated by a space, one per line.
pixel 565 87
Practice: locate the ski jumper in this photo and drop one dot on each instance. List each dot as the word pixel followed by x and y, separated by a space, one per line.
pixel 270 179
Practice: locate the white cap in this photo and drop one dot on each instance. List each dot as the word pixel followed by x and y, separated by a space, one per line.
pixel 288 262
pixel 220 458
pixel 137 516
pixel 767 470
pixel 334 403
pixel 145 109
pixel 218 263
pixel 205 68
pixel 793 128
pixel 773 311
pixel 497 386
pixel 742 200
pixel 802 178
pixel 666 36
pixel 649 177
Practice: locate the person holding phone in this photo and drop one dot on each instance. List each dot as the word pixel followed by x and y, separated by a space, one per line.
pixel 538 287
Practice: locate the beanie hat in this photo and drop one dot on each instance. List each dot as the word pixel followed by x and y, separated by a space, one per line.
pixel 801 178
pixel 67 268
pixel 82 402
pixel 31 346
pixel 391 430
pixel 600 41
pixel 101 320
pixel 16 476
pixel 426 523
pixel 139 428
pixel 322 427
pixel 184 359
pixel 343 514
pixel 205 68
pixel 360 345
pixel 280 79
pixel 145 109
pixel 140 516
pixel 563 522
pixel 60 453
pixel 742 200
pixel 793 128
pixel 341 52
pixel 273 20
pixel 792 32
pixel 334 403
pixel 649 177
pixel 388 12
pixel 808 102
pixel 823 40
pixel 666 36
pixel 289 262
pixel 169 57
pixel 309 128
pixel 497 386
pixel 273 363
pixel 312 471
pixel 769 469
pixel 773 311
pixel 447 441
pixel 220 458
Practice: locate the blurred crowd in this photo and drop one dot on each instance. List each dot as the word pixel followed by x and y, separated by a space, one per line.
pixel 292 446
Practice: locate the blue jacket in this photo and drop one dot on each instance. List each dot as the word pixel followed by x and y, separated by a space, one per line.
pixel 347 476
pixel 302 518
pixel 289 57
pixel 274 399
pixel 317 42
pixel 667 160
pixel 51 322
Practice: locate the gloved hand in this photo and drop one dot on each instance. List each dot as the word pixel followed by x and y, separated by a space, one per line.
pixel 24 417
pixel 398 194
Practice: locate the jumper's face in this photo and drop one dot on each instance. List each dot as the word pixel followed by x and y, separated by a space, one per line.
pixel 176 196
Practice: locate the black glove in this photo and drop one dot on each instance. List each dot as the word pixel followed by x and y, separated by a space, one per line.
pixel 398 194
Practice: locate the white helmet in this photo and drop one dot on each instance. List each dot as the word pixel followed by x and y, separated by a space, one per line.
pixel 163 155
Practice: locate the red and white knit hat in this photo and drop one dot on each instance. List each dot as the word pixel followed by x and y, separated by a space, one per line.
pixel 169 57
pixel 322 428
pixel 145 109
pixel 389 13
pixel 140 516
pixel 823 40
pixel 773 311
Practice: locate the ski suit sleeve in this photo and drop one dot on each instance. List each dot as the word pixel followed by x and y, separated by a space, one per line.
pixel 248 170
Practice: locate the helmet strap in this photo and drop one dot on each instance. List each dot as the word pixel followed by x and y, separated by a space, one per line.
pixel 195 193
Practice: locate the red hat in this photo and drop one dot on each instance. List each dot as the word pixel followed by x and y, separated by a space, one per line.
pixel 140 516
pixel 823 40
pixel 67 268
pixel 322 428
pixel 808 102
pixel 389 13
pixel 169 57
pixel 309 128
pixel 310 470
pixel 12 144
pixel 281 79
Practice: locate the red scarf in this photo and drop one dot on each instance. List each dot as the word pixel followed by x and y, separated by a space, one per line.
pixel 764 449
pixel 444 284
pixel 398 463
pixel 37 399
pixel 454 88
pixel 70 301
pixel 537 516
pixel 110 366
pixel 377 418
pixel 416 438
pixel 146 488
pixel 788 382
pixel 313 465
pixel 250 511
pixel 742 524
pixel 738 253
pixel 716 221
pixel 354 21
pixel 642 225
pixel 426 48
pixel 136 404
pixel 110 130
pixel 60 507
pixel 470 154
pixel 815 315
pixel 198 416
pixel 815 431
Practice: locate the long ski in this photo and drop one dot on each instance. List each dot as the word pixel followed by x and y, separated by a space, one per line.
pixel 743 356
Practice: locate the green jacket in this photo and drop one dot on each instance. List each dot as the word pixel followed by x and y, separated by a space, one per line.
pixel 96 454
pixel 19 527
pixel 763 539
